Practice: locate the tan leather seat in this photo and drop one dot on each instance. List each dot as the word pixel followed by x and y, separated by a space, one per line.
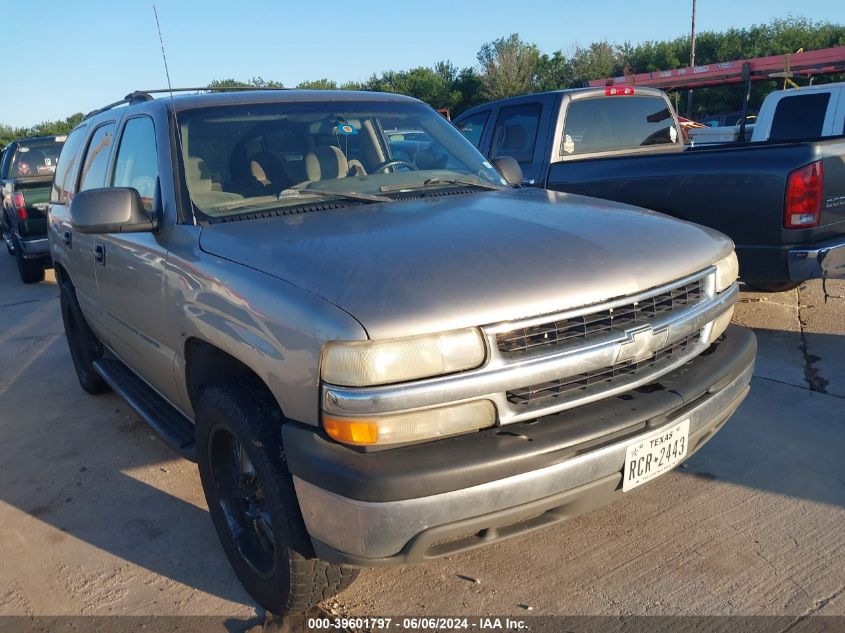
pixel 324 163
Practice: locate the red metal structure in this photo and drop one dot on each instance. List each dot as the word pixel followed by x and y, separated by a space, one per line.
pixel 803 64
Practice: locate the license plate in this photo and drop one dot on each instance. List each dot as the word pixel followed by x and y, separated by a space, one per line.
pixel 654 454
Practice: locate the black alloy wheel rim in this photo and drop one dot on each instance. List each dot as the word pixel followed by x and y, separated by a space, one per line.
pixel 243 502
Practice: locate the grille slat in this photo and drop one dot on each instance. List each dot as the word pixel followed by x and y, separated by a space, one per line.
pixel 604 376
pixel 601 323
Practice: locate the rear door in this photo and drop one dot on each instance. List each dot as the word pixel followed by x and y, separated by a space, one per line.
pixel 91 174
pixel 64 186
pixel 129 267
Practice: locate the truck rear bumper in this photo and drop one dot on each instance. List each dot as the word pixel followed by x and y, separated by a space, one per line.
pixel 34 248
pixel 354 519
pixel 818 261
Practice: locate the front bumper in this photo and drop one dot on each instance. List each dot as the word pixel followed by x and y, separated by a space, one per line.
pixel 818 261
pixel 415 503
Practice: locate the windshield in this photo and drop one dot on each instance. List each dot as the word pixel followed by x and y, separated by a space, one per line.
pixel 247 157
pixel 37 158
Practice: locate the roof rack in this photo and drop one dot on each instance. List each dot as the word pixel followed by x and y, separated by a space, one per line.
pixel 139 96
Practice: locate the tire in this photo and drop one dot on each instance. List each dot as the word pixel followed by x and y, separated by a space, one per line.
pixel 249 488
pixel 31 271
pixel 773 286
pixel 84 346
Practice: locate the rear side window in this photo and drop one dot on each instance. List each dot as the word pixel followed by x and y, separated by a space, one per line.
pixel 66 167
pixel 801 116
pixel 607 124
pixel 96 161
pixel 136 164
pixel 515 133
pixel 472 127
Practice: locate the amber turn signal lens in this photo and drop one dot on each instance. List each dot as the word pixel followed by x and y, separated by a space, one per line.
pixel 351 431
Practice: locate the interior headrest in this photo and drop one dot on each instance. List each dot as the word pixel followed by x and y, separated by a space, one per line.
pixel 325 162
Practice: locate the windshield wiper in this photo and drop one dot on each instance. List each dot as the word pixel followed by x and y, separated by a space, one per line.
pixel 439 182
pixel 349 195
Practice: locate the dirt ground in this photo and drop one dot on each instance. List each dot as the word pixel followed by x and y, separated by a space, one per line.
pixel 98 517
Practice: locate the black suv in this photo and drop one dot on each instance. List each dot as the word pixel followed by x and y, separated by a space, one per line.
pixel 26 173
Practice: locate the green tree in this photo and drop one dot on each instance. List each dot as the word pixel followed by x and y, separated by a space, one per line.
pixel 255 82
pixel 508 67
pixel 554 71
pixel 318 84
pixel 45 128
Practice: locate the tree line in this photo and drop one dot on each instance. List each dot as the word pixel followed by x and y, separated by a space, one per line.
pixel 510 66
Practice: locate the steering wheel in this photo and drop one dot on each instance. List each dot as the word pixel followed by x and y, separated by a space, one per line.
pixel 393 162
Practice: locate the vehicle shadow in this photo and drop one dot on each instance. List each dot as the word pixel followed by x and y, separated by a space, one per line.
pixel 89 467
pixel 785 438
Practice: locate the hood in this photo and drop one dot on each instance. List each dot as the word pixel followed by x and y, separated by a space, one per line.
pixel 434 264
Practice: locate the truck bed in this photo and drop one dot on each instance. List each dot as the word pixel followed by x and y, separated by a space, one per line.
pixel 738 189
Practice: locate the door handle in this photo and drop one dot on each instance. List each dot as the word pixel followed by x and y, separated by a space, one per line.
pixel 527 182
pixel 100 254
pixel 66 238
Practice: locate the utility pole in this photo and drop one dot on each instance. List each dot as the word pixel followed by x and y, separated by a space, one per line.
pixel 691 61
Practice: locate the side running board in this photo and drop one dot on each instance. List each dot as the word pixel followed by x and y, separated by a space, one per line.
pixel 175 429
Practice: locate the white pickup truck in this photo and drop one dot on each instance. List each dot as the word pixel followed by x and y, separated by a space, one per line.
pixel 787 115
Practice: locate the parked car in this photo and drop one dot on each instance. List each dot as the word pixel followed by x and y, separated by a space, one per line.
pixel 778 199
pixel 26 174
pixel 388 367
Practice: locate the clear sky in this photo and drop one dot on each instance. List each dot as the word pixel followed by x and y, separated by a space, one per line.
pixel 66 56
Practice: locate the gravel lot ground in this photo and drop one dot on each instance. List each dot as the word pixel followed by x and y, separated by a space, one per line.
pixel 99 518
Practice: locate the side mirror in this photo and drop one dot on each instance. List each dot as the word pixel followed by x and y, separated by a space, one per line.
pixel 110 210
pixel 509 168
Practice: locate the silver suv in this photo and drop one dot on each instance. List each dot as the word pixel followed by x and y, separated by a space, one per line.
pixel 378 350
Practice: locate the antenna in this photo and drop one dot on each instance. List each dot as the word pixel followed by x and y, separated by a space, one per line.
pixel 170 89
pixel 163 56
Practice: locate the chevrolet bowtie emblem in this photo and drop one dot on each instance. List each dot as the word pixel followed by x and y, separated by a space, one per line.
pixel 642 344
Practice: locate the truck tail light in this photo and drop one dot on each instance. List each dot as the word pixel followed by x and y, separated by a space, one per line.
pixel 802 208
pixel 19 205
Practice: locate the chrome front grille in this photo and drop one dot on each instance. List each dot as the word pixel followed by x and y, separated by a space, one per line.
pixel 599 379
pixel 576 330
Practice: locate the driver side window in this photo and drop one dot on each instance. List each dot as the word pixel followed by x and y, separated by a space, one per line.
pixel 136 165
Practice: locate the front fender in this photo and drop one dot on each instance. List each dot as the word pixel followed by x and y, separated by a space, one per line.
pixel 274 328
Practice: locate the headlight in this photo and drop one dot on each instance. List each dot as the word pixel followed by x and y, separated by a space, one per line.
pixel 427 424
pixel 360 363
pixel 720 324
pixel 727 270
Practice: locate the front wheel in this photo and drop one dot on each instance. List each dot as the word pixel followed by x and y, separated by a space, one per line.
pixel 252 501
pixel 773 286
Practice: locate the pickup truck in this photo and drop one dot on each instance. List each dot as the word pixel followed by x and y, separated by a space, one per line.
pixel 377 360
pixel 26 175
pixel 781 201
